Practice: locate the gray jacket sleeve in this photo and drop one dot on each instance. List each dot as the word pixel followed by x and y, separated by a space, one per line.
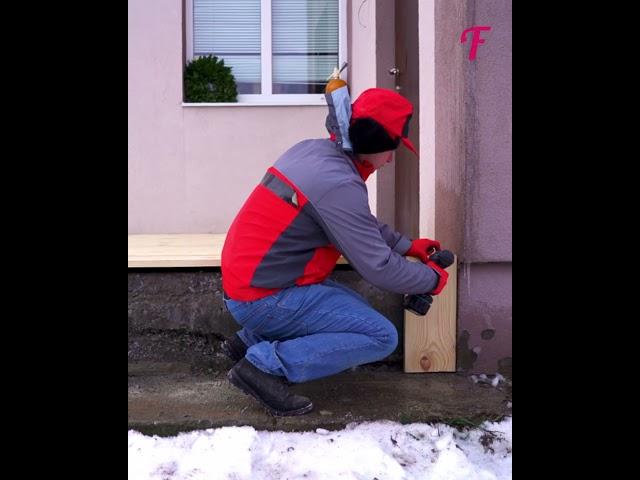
pixel 398 242
pixel 346 218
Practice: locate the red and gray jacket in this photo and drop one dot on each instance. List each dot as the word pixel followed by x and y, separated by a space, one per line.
pixel 309 208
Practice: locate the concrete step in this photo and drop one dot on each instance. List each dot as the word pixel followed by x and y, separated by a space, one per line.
pixel 178 314
pixel 167 398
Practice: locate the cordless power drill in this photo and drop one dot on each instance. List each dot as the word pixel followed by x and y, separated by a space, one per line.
pixel 420 303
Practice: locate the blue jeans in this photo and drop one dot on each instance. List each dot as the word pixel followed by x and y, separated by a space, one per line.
pixel 304 333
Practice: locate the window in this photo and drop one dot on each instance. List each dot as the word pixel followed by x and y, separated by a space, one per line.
pixel 278 50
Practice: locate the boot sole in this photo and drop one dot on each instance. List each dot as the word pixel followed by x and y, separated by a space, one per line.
pixel 242 385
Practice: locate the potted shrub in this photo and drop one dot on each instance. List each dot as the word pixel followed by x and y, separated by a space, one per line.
pixel 207 79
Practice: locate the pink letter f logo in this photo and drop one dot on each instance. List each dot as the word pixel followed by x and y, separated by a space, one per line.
pixel 475 41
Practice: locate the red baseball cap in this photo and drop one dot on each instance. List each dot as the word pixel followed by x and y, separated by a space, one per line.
pixel 390 109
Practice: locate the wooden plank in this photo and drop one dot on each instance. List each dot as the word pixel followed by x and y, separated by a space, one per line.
pixel 178 250
pixel 430 340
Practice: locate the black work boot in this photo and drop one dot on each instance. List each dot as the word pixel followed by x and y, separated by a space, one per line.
pixel 234 348
pixel 270 390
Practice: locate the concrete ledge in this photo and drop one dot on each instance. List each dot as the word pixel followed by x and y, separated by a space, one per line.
pixel 177 402
pixel 181 310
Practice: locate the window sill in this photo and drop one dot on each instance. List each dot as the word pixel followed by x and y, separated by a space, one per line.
pixel 280 103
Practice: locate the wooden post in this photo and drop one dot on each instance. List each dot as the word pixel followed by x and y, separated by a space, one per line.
pixel 430 340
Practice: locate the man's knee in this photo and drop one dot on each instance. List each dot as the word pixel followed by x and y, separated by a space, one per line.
pixel 392 342
pixel 387 337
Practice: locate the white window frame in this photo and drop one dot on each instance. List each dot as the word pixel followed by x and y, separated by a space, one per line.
pixel 266 60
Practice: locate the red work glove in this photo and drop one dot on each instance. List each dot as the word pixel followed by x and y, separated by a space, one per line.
pixel 421 248
pixel 444 276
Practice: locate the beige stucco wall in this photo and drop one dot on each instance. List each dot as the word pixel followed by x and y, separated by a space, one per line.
pixel 190 168
pixel 473 175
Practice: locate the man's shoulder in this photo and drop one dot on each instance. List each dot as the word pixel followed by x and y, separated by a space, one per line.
pixel 322 146
pixel 316 166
